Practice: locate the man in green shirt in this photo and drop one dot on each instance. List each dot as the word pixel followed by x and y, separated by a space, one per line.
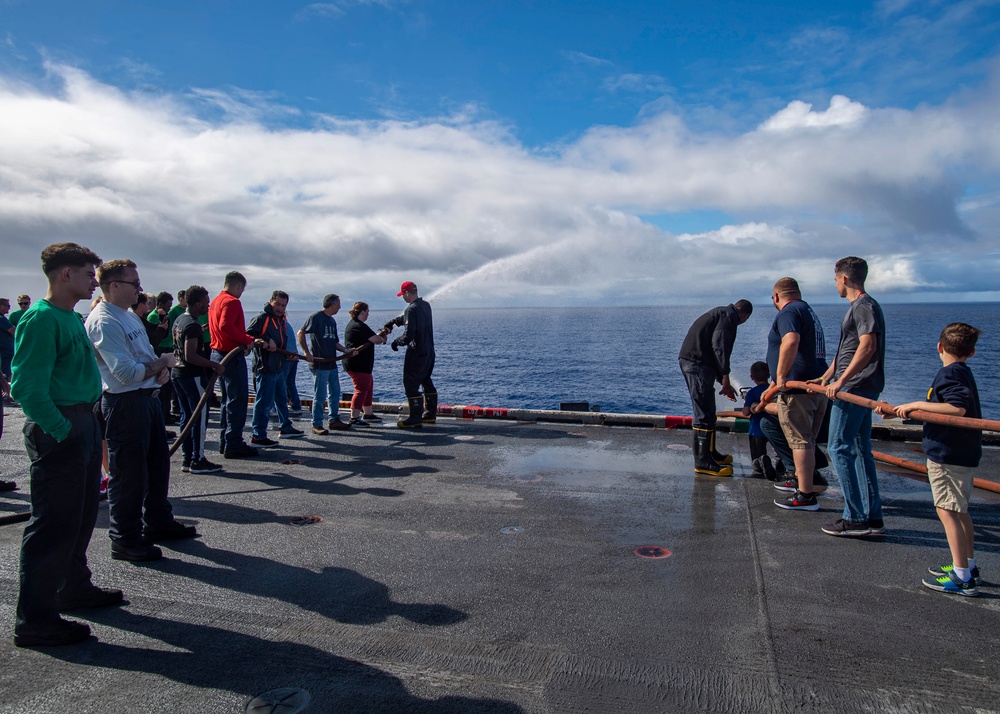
pixel 23 303
pixel 57 382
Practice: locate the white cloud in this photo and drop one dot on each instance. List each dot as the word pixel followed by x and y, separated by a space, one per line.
pixel 457 204
pixel 798 115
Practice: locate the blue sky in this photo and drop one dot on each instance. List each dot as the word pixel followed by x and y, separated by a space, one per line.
pixel 530 153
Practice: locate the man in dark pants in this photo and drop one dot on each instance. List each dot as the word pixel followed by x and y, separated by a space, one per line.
pixel 138 454
pixel 228 329
pixel 704 360
pixel 418 337
pixel 57 382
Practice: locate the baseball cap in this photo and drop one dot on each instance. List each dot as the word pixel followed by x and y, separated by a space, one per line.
pixel 406 286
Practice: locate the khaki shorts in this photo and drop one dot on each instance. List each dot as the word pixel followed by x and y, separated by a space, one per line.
pixel 951 486
pixel 801 418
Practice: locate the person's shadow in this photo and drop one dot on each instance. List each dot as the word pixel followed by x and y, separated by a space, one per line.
pixel 341 594
pixel 214 658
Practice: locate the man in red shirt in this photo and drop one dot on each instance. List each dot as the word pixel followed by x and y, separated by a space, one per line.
pixel 228 330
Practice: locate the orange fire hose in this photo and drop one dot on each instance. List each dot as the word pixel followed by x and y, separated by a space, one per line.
pixel 964 422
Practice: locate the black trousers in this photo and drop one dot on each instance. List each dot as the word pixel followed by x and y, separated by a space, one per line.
pixel 139 459
pixel 700 382
pixel 417 373
pixel 65 485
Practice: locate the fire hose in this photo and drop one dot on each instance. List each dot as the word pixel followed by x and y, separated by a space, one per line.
pixel 917 414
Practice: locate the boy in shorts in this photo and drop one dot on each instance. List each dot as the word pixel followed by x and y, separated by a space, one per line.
pixel 952 454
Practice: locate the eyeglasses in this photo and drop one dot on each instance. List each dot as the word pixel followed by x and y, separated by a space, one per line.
pixel 134 283
pixel 24 304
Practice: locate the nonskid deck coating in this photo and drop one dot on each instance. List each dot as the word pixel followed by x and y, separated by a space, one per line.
pixel 413 595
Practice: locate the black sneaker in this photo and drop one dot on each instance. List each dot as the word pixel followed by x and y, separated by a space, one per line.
pixel 337 425
pixel 175 530
pixel 877 526
pixel 262 442
pixel 204 466
pixel 779 468
pixel 142 553
pixel 90 598
pixel 853 529
pixel 243 451
pixel 186 466
pixel 358 421
pixel 798 502
pixel 290 433
pixel 63 632
pixel 373 417
pixel 767 468
pixel 8 486
pixel 820 484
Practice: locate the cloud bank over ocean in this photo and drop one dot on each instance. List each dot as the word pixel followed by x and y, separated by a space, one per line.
pixel 194 184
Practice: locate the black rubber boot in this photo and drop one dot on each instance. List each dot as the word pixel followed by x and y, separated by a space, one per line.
pixel 720 459
pixel 414 420
pixel 703 461
pixel 430 408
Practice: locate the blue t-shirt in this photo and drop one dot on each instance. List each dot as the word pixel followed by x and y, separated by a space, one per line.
pixel 955 385
pixel 6 339
pixel 809 361
pixel 323 339
pixel 753 396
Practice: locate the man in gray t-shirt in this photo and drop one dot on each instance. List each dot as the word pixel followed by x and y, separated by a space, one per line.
pixel 859 369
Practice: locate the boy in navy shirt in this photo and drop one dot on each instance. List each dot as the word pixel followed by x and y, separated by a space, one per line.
pixel 952 454
pixel 761 377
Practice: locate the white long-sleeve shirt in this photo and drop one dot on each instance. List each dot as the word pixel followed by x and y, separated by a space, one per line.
pixel 123 349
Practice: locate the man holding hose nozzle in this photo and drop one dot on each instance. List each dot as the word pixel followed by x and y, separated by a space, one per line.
pixel 418 338
pixel 704 360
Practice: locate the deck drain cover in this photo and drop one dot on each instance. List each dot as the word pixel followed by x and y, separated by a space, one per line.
pixel 289 462
pixel 464 437
pixel 678 447
pixel 652 551
pixel 529 479
pixel 509 530
pixel 287 700
pixel 306 520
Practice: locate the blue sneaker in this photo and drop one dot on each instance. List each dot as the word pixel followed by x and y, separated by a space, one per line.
pixel 943 570
pixel 951 584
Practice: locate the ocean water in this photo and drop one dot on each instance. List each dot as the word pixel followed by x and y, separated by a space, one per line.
pixel 624 359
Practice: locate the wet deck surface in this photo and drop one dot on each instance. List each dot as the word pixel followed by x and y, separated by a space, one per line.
pixel 414 594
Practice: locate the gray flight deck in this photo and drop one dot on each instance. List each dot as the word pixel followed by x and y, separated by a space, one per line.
pixel 488 566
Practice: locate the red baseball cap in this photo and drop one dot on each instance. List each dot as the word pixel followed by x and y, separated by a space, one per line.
pixel 405 287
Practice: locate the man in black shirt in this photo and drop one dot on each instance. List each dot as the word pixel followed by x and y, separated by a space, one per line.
pixel 704 360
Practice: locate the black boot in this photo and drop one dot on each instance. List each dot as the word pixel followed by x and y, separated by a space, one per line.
pixel 430 408
pixel 720 459
pixel 414 420
pixel 703 461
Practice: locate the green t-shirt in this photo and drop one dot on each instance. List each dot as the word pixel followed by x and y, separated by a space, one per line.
pixel 54 365
pixel 173 313
pixel 15 316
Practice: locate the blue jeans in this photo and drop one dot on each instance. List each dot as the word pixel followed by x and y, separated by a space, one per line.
pixel 270 388
pixel 290 371
pixel 775 436
pixel 139 460
pixel 235 391
pixel 65 480
pixel 851 451
pixel 326 382
pixel 189 391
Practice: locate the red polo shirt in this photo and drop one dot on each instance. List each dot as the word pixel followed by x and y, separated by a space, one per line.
pixel 226 324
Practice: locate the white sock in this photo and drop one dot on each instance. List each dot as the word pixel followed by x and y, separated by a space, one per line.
pixel 972 563
pixel 964 574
